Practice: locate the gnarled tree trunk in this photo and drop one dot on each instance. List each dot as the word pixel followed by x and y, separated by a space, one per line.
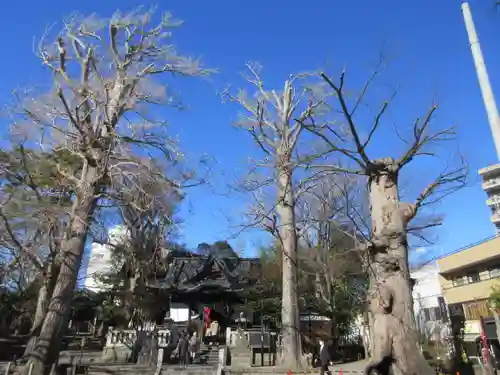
pixel 46 350
pixel 291 345
pixel 394 335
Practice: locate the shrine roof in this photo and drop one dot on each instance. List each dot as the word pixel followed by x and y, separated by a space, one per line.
pixel 218 270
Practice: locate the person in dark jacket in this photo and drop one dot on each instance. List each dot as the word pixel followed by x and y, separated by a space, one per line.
pixel 324 358
pixel 183 349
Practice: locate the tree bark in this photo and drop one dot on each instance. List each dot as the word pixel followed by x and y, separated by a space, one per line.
pixel 47 347
pixel 41 310
pixel 44 296
pixel 291 344
pixel 394 336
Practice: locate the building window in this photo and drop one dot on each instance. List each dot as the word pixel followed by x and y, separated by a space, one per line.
pixel 437 313
pixel 459 281
pixel 427 315
pixel 473 277
pixel 443 310
pixel 431 314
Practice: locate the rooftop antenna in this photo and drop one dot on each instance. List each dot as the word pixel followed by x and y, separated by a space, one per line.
pixel 482 76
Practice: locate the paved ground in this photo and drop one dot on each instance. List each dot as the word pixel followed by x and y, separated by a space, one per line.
pixel 357 368
pixel 352 368
pixel 349 368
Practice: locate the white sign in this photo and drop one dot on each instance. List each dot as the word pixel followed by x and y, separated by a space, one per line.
pixel 306 318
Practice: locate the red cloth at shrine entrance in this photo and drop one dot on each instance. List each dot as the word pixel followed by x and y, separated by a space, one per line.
pixel 206 316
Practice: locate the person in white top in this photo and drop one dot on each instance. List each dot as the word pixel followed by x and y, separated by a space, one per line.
pixel 324 358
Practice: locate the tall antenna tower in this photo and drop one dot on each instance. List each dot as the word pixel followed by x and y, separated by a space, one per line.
pixel 491 174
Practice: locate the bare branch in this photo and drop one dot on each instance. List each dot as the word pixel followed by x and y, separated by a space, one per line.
pixel 448 182
pixel 348 115
pixel 422 138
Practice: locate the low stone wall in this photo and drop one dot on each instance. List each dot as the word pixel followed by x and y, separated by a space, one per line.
pixel 120 344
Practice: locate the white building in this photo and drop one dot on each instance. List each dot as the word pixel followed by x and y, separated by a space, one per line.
pixel 491 185
pixel 100 261
pixel 428 302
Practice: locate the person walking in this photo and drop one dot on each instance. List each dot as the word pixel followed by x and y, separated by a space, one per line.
pixel 194 346
pixel 324 358
pixel 183 349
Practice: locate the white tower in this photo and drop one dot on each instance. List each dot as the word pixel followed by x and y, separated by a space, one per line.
pixel 491 174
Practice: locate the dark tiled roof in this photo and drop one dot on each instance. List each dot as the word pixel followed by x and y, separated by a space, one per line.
pixel 191 274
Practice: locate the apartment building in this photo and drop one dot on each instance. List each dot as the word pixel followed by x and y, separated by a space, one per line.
pixel 491 186
pixel 467 277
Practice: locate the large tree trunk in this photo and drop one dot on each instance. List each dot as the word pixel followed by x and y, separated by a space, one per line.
pixel 394 336
pixel 47 347
pixel 42 305
pixel 291 344
pixel 44 295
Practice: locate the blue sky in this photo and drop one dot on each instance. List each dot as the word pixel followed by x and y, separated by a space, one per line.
pixel 425 41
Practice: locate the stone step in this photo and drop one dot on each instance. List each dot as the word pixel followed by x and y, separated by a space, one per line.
pixel 232 370
pixel 209 355
pixel 119 369
pixel 189 370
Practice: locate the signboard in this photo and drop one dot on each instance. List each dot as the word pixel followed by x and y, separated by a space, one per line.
pixel 259 339
pixel 314 318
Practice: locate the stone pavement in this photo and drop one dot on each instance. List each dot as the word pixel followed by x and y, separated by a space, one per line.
pixel 353 368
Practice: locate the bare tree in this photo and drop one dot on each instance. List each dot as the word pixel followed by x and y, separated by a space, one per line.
pixel 103 83
pixel 275 122
pixel 393 330
pixel 333 217
pixel 148 218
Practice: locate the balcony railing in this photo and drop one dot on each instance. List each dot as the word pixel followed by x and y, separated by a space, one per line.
pixel 490 170
pixel 475 278
pixel 494 199
pixel 490 184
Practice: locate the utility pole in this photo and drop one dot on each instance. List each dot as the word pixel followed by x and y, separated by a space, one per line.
pixel 490 174
pixel 482 76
